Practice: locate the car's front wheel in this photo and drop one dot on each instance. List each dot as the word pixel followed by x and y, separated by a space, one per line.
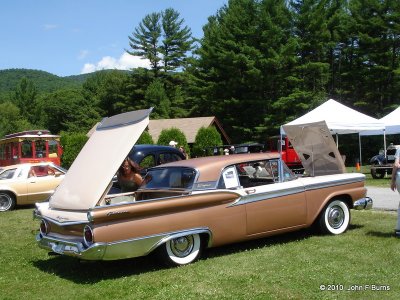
pixel 181 250
pixel 335 218
pixel 7 201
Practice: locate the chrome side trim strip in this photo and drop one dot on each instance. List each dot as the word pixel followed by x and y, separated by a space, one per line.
pixel 116 250
pixel 267 195
pixel 319 185
pixel 291 191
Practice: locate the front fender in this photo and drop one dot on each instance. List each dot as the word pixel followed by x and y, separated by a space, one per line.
pixel 378 160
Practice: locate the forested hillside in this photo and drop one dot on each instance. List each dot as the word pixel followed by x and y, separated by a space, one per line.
pixel 45 82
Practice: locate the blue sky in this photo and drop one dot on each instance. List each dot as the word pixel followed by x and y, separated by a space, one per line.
pixel 70 37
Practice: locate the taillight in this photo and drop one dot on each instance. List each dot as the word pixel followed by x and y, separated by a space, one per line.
pixel 44 227
pixel 88 235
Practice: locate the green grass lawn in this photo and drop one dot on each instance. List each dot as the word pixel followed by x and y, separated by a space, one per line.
pixel 290 266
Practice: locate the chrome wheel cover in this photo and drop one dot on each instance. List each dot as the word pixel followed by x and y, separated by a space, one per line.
pixel 5 202
pixel 182 246
pixel 336 217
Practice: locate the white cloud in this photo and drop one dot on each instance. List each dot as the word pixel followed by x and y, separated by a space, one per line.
pixel 50 26
pixel 83 54
pixel 124 62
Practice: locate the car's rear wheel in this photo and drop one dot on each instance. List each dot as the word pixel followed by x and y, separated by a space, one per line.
pixel 7 201
pixel 377 174
pixel 335 218
pixel 181 250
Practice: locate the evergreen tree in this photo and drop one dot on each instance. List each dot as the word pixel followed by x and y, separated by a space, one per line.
pixel 11 120
pixel 109 92
pixel 372 61
pixel 68 110
pixel 244 64
pixel 145 40
pixel 156 97
pixel 177 40
pixel 25 98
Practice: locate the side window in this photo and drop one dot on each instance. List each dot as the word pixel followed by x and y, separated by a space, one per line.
pixel 258 173
pixel 40 171
pixel 40 147
pixel 26 149
pixel 164 158
pixel 147 162
pixel 53 144
pixel 288 174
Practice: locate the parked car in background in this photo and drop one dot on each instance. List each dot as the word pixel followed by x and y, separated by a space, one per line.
pixel 28 183
pixel 382 163
pixel 185 206
pixel 147 156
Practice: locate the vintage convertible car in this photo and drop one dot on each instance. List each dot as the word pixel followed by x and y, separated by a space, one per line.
pixel 28 183
pixel 187 205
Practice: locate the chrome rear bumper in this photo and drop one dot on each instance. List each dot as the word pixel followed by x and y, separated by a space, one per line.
pixel 363 203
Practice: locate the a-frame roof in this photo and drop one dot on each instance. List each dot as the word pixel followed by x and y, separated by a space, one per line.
pixel 189 126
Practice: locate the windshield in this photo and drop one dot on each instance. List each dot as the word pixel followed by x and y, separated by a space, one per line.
pixel 169 178
pixel 7 174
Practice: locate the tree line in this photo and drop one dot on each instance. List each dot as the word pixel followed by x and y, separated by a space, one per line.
pixel 260 64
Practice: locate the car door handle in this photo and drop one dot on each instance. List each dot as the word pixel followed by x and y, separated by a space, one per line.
pixel 251 191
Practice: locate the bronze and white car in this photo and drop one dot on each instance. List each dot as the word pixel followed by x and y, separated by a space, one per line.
pixel 185 206
pixel 28 183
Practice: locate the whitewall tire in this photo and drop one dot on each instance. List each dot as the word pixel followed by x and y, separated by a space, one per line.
pixel 335 218
pixel 182 250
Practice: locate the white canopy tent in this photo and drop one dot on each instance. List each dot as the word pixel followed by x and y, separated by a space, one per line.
pixel 340 119
pixel 391 122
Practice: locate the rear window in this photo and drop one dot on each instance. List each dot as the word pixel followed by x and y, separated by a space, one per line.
pixel 169 178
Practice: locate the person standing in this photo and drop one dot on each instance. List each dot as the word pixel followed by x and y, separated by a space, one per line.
pixel 395 184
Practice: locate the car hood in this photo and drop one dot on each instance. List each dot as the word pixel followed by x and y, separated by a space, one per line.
pixel 316 148
pixel 93 169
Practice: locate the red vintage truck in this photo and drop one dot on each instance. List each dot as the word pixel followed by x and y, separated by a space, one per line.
pixel 289 155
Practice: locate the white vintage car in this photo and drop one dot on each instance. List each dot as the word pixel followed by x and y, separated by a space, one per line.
pixel 28 183
pixel 185 206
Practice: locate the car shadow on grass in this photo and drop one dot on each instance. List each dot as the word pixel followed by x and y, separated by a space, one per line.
pixel 89 272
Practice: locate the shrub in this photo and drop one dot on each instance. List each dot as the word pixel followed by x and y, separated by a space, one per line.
pixel 206 138
pixel 173 134
pixel 145 138
pixel 72 144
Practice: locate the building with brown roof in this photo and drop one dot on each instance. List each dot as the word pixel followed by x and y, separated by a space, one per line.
pixel 189 127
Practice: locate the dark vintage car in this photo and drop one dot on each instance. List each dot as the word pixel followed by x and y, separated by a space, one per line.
pixel 382 163
pixel 185 206
pixel 147 156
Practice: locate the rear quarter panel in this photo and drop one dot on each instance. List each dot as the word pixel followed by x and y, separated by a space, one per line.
pixel 323 189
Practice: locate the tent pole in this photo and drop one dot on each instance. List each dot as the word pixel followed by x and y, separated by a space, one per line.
pixel 337 140
pixel 359 144
pixel 384 141
pixel 280 156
